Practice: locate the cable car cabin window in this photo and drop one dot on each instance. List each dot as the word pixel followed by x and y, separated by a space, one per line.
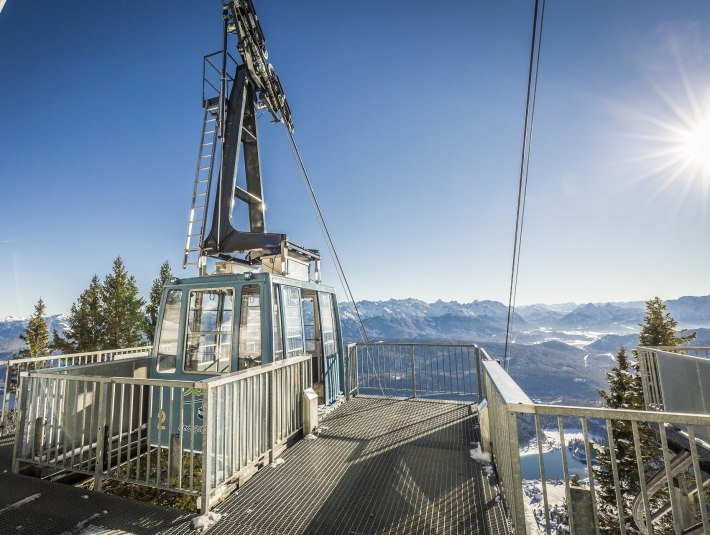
pixel 294 321
pixel 169 329
pixel 209 331
pixel 309 323
pixel 278 342
pixel 250 327
pixel 327 318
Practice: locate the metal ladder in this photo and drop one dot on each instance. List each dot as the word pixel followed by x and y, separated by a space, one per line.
pixel 203 181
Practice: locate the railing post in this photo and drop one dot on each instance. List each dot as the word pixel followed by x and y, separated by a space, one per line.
pixel 19 423
pixel 272 414
pixel 414 381
pixel 101 438
pixel 6 398
pixel 207 438
pixel 477 353
pixel 357 371
pixel 348 351
pixel 516 490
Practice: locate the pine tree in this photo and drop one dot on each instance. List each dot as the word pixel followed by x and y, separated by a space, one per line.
pixel 86 322
pixel 156 292
pixel 622 394
pixel 659 327
pixel 36 335
pixel 626 392
pixel 123 309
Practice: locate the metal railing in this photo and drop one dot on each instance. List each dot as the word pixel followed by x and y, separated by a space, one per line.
pixel 14 367
pixel 679 365
pixel 440 371
pixel 201 438
pixel 663 446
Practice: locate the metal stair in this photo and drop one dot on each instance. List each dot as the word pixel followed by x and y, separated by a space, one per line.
pixel 203 182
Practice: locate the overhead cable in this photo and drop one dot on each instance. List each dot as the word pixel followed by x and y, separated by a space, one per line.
pixel 531 96
pixel 331 247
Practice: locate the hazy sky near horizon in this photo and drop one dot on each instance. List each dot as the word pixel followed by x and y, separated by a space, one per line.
pixel 409 117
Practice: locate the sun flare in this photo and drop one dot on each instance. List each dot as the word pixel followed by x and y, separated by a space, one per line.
pixel 673 149
pixel 695 145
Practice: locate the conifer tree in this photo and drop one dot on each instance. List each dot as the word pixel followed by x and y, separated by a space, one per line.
pixel 622 394
pixel 626 392
pixel 36 334
pixel 86 322
pixel 156 291
pixel 123 309
pixel 659 327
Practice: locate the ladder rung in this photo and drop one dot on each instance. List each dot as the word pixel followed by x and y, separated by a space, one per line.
pixel 208 144
pixel 203 169
pixel 203 180
pixel 210 132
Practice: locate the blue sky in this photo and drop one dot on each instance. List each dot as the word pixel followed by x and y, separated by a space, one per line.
pixel 409 117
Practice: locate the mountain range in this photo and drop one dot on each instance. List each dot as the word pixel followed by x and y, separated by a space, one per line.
pixel 560 353
pixel 486 320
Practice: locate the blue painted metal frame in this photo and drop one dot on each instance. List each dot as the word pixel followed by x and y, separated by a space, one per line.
pixel 266 281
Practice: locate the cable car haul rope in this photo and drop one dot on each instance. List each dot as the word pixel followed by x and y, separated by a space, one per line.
pixel 533 70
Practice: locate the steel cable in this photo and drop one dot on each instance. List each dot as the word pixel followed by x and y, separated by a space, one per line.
pixel 531 96
pixel 331 247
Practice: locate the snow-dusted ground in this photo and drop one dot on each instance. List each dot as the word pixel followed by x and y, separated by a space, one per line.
pixel 535 506
pixel 22 502
pixel 204 522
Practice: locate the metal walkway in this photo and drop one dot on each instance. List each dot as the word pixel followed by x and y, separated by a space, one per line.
pixel 380 466
pixel 36 507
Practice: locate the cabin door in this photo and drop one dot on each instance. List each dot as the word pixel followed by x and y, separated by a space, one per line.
pixel 331 356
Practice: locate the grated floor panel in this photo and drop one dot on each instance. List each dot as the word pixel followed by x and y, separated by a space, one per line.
pixel 385 466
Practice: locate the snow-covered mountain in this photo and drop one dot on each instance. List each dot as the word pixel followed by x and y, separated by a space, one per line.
pixel 486 320
pixel 561 351
pixel 11 328
pixel 414 319
pixel 603 317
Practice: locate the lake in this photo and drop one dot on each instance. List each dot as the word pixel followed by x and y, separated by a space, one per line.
pixel 530 466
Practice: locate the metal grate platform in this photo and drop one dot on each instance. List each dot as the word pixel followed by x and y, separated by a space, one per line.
pixel 382 466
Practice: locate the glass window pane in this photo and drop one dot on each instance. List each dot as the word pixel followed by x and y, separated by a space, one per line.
pixel 294 322
pixel 250 327
pixel 208 347
pixel 327 318
pixel 278 349
pixel 169 329
pixel 309 323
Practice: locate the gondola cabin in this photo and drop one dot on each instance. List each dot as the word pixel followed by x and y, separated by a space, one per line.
pixel 217 325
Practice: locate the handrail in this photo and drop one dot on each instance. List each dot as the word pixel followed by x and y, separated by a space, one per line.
pixel 508 389
pixel 219 380
pixel 442 371
pixel 64 356
pixel 626 415
pixel 122 428
pixel 62 360
pixel 508 407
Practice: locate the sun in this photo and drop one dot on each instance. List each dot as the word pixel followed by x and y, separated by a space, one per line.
pixel 673 147
pixel 694 144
